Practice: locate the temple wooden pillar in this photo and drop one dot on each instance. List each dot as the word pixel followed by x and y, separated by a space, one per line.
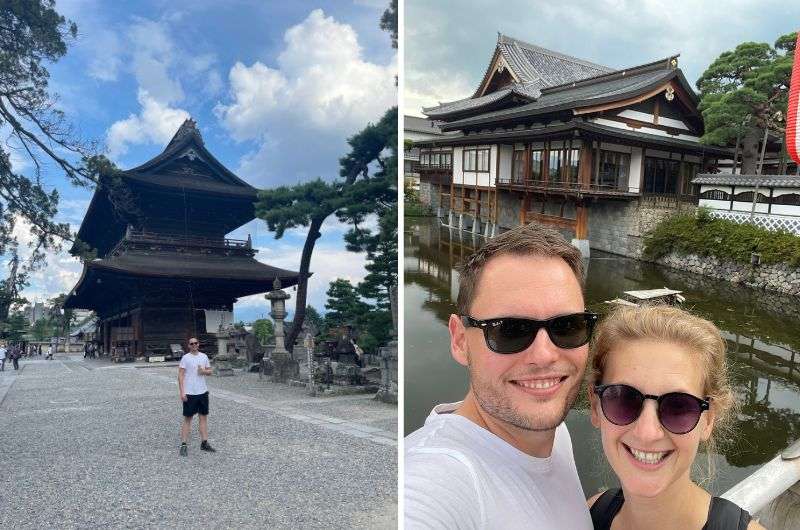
pixel 526 205
pixel 581 221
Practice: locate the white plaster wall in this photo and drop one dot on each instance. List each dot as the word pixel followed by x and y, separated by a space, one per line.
pixel 707 187
pixel 458 159
pixel 739 206
pixel 647 130
pixel 635 171
pixel 786 209
pixel 643 116
pixel 714 204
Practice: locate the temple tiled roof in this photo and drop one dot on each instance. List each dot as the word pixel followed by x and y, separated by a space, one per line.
pixel 542 67
pixel 607 88
pixel 770 181
pixel 422 125
pixel 540 74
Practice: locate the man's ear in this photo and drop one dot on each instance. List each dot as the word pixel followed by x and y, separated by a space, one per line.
pixel 458 340
pixel 594 407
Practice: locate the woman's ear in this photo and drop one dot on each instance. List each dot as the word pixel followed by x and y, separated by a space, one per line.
pixel 708 428
pixel 594 406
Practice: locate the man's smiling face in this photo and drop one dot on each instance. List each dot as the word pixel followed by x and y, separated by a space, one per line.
pixel 535 388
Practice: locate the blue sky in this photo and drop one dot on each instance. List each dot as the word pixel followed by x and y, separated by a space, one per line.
pixel 449 42
pixel 275 87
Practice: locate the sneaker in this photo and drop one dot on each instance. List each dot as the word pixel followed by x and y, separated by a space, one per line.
pixel 184 450
pixel 205 446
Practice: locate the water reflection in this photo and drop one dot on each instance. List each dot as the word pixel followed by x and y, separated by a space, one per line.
pixel 764 348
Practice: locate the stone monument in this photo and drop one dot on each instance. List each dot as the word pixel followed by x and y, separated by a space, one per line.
pixel 283 366
pixel 387 392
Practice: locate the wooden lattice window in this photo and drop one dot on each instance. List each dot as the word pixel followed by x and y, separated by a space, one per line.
pixel 716 195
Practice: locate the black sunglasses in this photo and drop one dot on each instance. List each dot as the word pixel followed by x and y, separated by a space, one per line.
pixel 678 412
pixel 193 343
pixel 512 335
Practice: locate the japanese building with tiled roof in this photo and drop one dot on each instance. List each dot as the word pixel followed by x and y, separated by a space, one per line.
pixel 161 256
pixel 548 137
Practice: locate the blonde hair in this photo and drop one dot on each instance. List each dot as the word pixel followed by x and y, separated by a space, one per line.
pixel 699 336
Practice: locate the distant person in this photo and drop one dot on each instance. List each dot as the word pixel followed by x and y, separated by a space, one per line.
pixel 193 368
pixel 49 356
pixel 15 355
pixel 658 389
pixel 502 457
pixel 3 357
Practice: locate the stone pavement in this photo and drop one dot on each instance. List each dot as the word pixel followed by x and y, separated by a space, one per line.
pixel 90 444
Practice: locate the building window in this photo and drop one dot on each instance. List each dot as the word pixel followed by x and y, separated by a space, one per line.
pixel 573 159
pixel 555 166
pixel 715 195
pixel 747 196
pixel 518 167
pixel 537 159
pixel 661 176
pixel 788 199
pixel 689 171
pixel 476 160
pixel 614 169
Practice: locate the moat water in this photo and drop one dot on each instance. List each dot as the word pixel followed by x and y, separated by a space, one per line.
pixel 761 329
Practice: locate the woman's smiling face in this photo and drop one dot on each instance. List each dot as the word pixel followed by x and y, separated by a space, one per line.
pixel 646 457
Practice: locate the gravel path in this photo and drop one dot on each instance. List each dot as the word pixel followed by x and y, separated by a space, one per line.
pixel 87 444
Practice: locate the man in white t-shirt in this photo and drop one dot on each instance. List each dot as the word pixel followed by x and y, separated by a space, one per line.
pixel 2 357
pixel 502 457
pixel 192 372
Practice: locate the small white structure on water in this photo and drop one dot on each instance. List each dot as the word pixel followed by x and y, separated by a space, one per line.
pixel 731 197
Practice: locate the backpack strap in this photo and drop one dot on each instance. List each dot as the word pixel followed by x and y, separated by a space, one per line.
pixel 725 515
pixel 605 508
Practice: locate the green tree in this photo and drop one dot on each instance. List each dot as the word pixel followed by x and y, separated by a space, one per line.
pixel 315 319
pixel 61 318
pixel 15 327
pixel 344 305
pixel 381 249
pixel 742 92
pixel 360 192
pixel 389 21
pixel 263 330
pixel 42 329
pixel 31 34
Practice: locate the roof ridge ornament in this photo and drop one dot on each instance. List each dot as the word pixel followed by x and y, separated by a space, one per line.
pixel 669 93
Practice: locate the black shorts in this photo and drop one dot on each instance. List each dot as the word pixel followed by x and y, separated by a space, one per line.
pixel 195 404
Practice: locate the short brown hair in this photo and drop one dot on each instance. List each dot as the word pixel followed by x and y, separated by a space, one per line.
pixel 666 323
pixel 526 240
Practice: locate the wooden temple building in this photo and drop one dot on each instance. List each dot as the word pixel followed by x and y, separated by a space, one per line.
pixel 594 151
pixel 164 270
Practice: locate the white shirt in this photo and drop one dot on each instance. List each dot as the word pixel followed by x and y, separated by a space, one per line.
pixel 2 352
pixel 193 383
pixel 459 475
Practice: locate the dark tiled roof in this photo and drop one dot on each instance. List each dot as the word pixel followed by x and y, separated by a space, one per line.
pixel 545 68
pixel 583 94
pixel 422 125
pixel 770 181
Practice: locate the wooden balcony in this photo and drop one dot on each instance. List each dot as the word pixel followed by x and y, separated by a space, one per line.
pixel 565 187
pixel 434 174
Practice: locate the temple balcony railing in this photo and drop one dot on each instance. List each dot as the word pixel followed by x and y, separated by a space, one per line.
pixel 434 174
pixel 667 199
pixel 157 241
pixel 565 186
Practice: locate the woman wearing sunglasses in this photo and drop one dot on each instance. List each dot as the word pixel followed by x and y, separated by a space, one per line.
pixel 658 388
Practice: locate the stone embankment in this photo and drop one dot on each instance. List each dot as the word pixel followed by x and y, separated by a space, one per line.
pixel 778 277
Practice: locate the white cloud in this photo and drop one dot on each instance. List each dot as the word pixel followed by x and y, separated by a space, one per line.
pixel 106 59
pixel 153 57
pixel 156 123
pixel 301 110
pixel 60 274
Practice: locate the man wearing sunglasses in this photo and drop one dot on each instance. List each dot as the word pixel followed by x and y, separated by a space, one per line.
pixel 193 390
pixel 502 457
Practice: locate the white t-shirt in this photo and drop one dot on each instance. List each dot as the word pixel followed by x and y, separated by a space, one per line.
pixel 2 353
pixel 459 475
pixel 193 383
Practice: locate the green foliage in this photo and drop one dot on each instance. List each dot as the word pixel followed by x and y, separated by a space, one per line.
pixel 315 319
pixel 389 21
pixel 43 329
pixel 263 330
pixel 743 89
pixel 15 327
pixel 344 305
pixel 707 236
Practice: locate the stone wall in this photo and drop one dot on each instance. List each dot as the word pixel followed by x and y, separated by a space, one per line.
pixel 427 194
pixel 618 226
pixel 776 277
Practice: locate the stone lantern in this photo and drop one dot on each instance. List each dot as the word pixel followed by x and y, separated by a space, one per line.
pixel 283 366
